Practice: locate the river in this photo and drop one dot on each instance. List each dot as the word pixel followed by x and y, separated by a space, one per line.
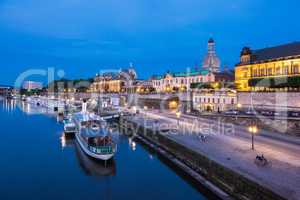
pixel 37 162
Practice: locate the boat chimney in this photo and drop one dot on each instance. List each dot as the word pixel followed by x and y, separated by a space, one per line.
pixel 84 106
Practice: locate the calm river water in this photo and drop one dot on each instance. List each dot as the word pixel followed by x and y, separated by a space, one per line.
pixel 38 163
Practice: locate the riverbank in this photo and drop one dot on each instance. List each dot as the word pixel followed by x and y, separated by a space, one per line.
pixel 227 172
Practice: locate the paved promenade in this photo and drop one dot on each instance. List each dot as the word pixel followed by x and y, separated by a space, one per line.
pixel 234 151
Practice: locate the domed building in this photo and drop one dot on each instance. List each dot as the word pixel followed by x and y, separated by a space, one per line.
pixel 211 61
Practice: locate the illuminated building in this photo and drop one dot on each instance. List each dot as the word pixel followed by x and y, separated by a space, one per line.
pixel 113 82
pixel 181 81
pixel 5 90
pixel 141 86
pixel 270 69
pixel 214 100
pixel 32 85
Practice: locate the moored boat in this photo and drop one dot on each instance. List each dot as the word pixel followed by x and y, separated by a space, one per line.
pixel 69 126
pixel 93 136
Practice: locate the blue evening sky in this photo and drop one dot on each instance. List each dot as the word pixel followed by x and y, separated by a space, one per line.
pixel 83 37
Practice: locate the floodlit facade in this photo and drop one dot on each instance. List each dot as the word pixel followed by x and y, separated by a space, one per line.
pixel 270 69
pixel 214 100
pixel 113 82
pixel 180 82
pixel 32 85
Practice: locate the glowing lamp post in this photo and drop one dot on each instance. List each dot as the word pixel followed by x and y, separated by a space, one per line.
pixel 178 114
pixel 253 130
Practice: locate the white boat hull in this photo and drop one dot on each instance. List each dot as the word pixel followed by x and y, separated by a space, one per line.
pixel 91 154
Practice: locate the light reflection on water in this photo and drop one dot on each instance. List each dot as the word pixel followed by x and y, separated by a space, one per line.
pixel 44 164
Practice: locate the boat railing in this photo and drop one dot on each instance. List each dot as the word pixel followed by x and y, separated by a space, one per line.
pixel 108 149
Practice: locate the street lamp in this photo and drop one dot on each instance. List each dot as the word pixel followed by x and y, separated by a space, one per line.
pixel 239 105
pixel 178 114
pixel 253 130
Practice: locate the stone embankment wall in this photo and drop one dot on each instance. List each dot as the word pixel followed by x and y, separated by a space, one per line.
pixel 278 125
pixel 230 181
pixel 270 100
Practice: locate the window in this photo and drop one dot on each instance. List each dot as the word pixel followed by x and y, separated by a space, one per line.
pixel 278 70
pixel 285 70
pixel 262 72
pixel 232 101
pixel 270 71
pixel 296 69
pixel 218 100
pixel 254 72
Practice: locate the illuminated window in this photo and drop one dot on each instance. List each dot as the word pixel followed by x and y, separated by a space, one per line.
pixel 278 70
pixel 285 70
pixel 296 69
pixel 262 72
pixel 270 71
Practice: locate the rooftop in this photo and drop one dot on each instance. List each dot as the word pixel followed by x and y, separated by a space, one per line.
pixel 287 50
pixel 183 74
pixel 273 53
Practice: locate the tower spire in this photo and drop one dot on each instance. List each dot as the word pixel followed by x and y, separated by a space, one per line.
pixel 211 61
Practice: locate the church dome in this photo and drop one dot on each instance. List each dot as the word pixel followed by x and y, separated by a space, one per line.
pixel 211 61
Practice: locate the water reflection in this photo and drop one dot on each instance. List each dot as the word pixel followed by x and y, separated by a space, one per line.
pixel 32 109
pixel 132 143
pixel 9 105
pixel 67 140
pixel 93 167
pixel 89 166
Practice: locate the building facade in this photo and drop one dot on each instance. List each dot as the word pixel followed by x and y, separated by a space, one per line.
pixel 180 82
pixel 32 85
pixel 270 69
pixel 113 82
pixel 214 100
pixel 5 90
